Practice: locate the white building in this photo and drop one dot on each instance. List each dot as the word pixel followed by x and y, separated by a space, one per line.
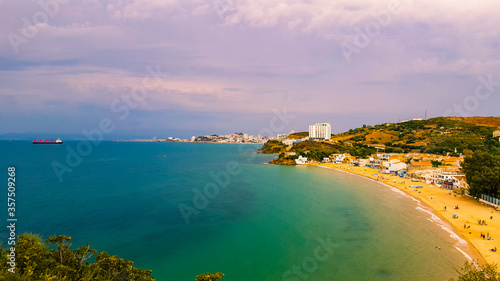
pixel 394 166
pixel 338 158
pixel 301 160
pixel 320 131
pixel 363 162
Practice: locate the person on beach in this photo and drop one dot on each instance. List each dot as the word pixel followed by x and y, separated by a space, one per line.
pixel 445 208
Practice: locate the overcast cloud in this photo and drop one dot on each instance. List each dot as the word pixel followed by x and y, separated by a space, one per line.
pixel 227 64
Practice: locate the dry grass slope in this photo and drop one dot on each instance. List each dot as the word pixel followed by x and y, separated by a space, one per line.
pixel 381 136
pixel 482 121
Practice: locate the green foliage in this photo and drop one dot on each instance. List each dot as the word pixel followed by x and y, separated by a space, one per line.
pixel 435 163
pixel 273 146
pixel 54 260
pixel 482 171
pixel 436 135
pixel 393 150
pixel 298 135
pixel 108 267
pixel 32 256
pixel 361 150
pixel 358 138
pixel 210 277
pixel 470 272
pixel 318 153
pixel 315 150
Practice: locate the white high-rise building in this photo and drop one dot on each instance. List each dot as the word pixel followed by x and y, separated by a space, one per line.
pixel 320 131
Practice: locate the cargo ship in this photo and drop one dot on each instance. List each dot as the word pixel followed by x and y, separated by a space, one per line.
pixel 58 141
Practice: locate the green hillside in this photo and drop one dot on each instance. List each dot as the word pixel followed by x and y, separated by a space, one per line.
pixel 436 135
pixel 441 135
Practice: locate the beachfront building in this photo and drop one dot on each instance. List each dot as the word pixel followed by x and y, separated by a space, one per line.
pixel 320 131
pixel 448 180
pixel 451 161
pixel 384 156
pixel 461 185
pixel 374 163
pixel 394 165
pixel 363 162
pixel 340 158
pixel 301 160
pixel 420 165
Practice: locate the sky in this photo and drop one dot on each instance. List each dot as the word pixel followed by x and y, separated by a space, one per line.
pixel 192 67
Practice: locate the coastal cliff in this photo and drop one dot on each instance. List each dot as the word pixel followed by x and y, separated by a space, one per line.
pixel 273 147
pixel 314 150
pixel 283 161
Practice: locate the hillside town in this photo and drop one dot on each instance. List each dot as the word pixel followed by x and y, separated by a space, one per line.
pixel 440 170
pixel 229 138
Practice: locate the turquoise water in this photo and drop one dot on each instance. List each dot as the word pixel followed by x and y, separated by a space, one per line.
pixel 266 224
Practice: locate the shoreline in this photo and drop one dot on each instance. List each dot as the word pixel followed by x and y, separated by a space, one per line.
pixel 469 212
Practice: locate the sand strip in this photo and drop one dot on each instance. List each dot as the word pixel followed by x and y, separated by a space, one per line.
pixel 469 211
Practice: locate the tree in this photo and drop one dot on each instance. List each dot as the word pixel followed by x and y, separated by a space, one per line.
pixel 63 244
pixel 37 261
pixel 210 277
pixel 435 163
pixel 471 272
pixel 482 172
pixel 108 267
pixel 31 256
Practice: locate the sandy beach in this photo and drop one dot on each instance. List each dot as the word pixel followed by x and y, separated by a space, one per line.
pixel 469 211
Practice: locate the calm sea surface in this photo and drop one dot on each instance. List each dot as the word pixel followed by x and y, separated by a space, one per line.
pixel 248 220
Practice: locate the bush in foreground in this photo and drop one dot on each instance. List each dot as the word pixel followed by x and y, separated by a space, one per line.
pixel 54 260
pixel 210 277
pixel 470 272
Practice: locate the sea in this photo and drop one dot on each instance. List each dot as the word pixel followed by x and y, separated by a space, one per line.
pixel 182 209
